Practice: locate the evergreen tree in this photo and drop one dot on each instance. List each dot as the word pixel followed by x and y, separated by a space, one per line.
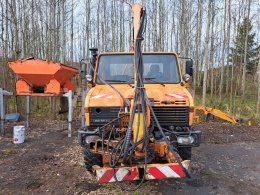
pixel 239 47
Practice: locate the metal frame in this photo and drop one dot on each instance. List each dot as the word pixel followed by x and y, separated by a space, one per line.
pixel 69 95
pixel 2 107
pixel 3 93
pixel 83 96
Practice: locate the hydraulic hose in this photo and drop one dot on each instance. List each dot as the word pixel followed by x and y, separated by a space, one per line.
pixel 139 84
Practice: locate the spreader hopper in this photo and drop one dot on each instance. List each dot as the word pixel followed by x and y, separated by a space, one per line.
pixel 42 78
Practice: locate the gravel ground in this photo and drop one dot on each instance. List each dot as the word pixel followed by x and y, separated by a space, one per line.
pixel 227 162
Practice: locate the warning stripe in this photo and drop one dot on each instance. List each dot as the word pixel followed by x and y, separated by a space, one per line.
pixel 177 169
pixel 132 176
pixel 169 171
pixel 107 175
pixel 101 96
pixel 120 174
pixel 124 175
pixel 156 173
pixel 176 95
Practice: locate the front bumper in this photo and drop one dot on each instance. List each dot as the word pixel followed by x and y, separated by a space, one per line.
pixel 82 134
pixel 153 171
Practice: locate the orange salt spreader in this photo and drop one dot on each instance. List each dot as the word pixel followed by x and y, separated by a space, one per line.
pixel 42 78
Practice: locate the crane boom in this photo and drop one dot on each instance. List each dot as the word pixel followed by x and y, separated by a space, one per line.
pixel 217 113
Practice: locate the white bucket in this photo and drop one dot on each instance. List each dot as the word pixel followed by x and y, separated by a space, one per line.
pixel 19 134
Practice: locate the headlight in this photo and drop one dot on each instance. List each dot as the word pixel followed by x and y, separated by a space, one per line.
pixel 185 140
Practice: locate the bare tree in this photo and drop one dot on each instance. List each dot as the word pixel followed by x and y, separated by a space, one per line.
pixel 228 46
pixel 206 54
pixel 62 31
pixel 211 58
pixel 258 94
pixel 245 54
pixel 197 44
pixel 223 53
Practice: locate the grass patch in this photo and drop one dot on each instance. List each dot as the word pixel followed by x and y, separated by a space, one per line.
pixel 8 151
pixel 110 186
pixel 236 107
pixel 29 139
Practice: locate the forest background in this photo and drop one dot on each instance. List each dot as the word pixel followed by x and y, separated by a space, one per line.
pixel 222 37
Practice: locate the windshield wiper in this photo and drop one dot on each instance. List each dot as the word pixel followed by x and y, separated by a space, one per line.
pixel 114 80
pixel 151 79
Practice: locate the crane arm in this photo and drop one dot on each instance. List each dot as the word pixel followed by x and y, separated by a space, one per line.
pixel 217 113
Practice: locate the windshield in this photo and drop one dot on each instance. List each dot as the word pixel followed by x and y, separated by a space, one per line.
pixel 119 68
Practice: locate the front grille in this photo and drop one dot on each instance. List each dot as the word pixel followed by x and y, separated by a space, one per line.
pixel 167 116
pixel 180 102
pixel 176 116
pixel 102 115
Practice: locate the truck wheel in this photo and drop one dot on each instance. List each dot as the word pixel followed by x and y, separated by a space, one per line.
pixel 91 159
pixel 185 153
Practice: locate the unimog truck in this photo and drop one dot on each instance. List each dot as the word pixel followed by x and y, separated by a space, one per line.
pixel 138 113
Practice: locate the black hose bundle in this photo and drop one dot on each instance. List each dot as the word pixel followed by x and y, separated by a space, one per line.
pixel 127 150
pixel 139 98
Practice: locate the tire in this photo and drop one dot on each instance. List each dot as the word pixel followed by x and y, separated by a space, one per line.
pixel 185 153
pixel 91 159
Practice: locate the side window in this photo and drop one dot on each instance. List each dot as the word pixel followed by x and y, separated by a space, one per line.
pixel 103 71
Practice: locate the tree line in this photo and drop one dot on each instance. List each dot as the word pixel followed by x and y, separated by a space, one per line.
pixel 222 36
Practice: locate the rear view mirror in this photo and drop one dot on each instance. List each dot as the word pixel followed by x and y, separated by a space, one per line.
pixel 83 68
pixel 189 67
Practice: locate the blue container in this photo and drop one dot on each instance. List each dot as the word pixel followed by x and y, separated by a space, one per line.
pixel 13 117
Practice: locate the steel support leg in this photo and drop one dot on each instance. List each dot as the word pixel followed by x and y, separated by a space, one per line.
pixel 2 118
pixel 27 111
pixel 83 94
pixel 70 113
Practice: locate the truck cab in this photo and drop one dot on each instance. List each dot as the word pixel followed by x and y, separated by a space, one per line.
pixel 112 89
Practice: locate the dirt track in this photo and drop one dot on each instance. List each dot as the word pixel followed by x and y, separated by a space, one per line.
pixel 50 163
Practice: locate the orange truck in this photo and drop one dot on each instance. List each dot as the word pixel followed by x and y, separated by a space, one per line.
pixel 138 114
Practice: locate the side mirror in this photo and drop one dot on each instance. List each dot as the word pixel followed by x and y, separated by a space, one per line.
pixel 85 70
pixel 89 77
pixel 189 67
